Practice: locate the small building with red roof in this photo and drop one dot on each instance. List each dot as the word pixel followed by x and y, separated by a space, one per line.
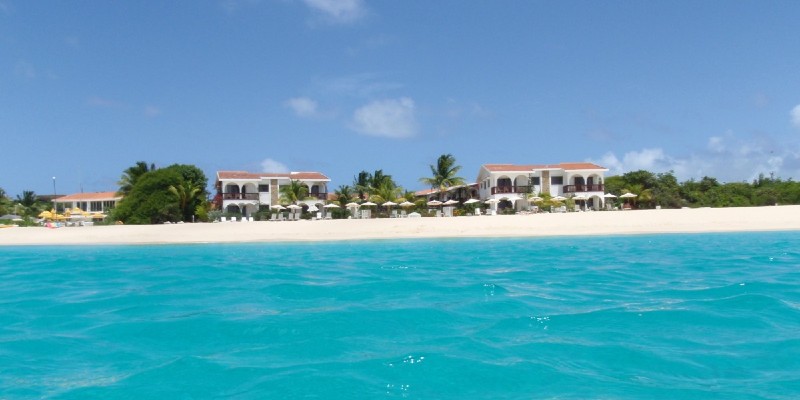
pixel 100 202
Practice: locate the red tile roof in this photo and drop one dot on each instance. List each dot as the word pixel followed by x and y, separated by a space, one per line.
pixel 529 167
pixel 96 196
pixel 229 175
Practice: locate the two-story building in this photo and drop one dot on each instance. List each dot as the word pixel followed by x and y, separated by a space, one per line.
pixel 517 183
pixel 243 192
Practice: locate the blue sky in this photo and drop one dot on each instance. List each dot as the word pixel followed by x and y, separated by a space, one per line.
pixel 701 88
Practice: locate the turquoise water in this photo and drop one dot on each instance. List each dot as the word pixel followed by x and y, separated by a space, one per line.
pixel 643 317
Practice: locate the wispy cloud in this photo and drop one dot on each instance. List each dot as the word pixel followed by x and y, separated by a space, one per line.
pixel 151 111
pixel 232 6
pixel 795 113
pixel 25 69
pixel 726 157
pixel 270 165
pixel 358 85
pixel 303 107
pixel 391 118
pixel 102 102
pixel 338 11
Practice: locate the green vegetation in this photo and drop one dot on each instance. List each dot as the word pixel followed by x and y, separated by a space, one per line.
pixel 171 194
pixel 294 192
pixel 443 174
pixel 664 190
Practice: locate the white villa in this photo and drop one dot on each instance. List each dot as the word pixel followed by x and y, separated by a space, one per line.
pixel 513 184
pixel 243 192
pixel 100 202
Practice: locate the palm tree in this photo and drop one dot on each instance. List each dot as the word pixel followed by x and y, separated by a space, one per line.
pixel 294 192
pixel 387 191
pixel 185 194
pixel 344 194
pixel 361 183
pixel 444 174
pixel 27 199
pixel 131 175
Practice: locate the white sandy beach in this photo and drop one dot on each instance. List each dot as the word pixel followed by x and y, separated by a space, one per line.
pixel 776 218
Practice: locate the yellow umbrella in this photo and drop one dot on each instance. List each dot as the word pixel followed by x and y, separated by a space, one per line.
pixel 60 217
pixel 46 214
pixel 98 216
pixel 77 210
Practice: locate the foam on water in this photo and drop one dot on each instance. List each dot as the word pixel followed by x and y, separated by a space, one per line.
pixel 657 317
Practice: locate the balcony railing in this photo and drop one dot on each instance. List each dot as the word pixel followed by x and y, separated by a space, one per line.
pixel 319 196
pixel 240 196
pixel 584 188
pixel 510 189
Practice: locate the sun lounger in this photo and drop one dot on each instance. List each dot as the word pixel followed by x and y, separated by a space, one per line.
pixel 223 219
pixel 273 217
pixel 403 214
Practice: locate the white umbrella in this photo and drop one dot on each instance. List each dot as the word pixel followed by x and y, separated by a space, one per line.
pixel 470 201
pixel 609 196
pixel 580 197
pixel 406 204
pixel 312 208
pixel 278 207
pixel 491 201
pixel 369 203
pixel 434 203
pixel 559 198
pixel 331 205
pixel 389 204
pixel 535 198
pixel 450 202
pixel 353 205
pixel 627 196
pixel 293 206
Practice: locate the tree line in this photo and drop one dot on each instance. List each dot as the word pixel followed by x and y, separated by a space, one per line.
pixel 178 192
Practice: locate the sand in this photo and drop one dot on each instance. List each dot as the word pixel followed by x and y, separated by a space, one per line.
pixel 775 218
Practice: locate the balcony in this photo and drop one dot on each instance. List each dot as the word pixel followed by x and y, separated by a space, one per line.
pixel 319 196
pixel 510 189
pixel 584 188
pixel 240 196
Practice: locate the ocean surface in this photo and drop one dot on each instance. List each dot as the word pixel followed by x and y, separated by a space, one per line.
pixel 700 316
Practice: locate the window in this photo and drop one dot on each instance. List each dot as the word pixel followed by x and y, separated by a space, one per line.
pixel 263 188
pixel 557 180
pixel 536 181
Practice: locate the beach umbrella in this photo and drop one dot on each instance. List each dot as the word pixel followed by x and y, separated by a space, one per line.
pixel 44 214
pixel 559 198
pixel 406 204
pixel 609 196
pixel 450 202
pixel 535 199
pixel 13 217
pixel 312 208
pixel 581 197
pixel 470 201
pixel 434 203
pixel 331 205
pixel 368 204
pixel 492 201
pixel 389 204
pixel 353 205
pixel 98 216
pixel 293 207
pixel 278 207
pixel 627 196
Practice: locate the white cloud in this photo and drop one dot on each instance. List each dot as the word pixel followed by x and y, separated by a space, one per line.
pixel 270 165
pixel 152 111
pixel 392 118
pixel 303 107
pixel 340 11
pixel 727 158
pixel 796 116
pixel 25 69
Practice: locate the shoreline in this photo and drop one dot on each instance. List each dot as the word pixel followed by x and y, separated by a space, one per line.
pixel 595 223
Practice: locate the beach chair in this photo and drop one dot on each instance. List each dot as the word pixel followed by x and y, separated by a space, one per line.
pixel 273 217
pixel 478 212
pixel 394 214
pixel 403 214
pixel 251 219
pixel 319 215
pixel 223 219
